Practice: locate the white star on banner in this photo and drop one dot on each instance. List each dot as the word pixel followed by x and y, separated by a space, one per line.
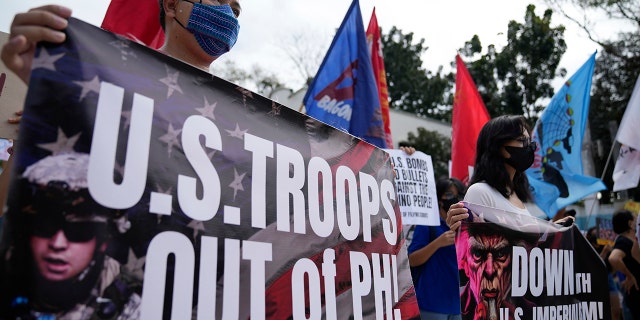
pixel 236 184
pixel 45 60
pixel 207 110
pixel 92 85
pixel 135 265
pixel 123 46
pixel 171 138
pixel 171 80
pixel 63 144
pixel 237 133
pixel 196 226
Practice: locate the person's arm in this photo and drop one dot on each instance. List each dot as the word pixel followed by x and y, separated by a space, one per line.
pixel 615 259
pixel 27 29
pixel 423 254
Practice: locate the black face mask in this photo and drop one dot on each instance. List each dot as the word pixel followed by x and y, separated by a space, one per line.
pixel 521 157
pixel 447 203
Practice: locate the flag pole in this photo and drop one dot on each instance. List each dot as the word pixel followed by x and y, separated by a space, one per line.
pixel 606 165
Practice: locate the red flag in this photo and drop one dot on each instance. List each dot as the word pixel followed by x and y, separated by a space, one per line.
pixel 375 50
pixel 469 115
pixel 138 20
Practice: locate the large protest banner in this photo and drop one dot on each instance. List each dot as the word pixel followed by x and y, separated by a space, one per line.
pixel 145 188
pixel 519 267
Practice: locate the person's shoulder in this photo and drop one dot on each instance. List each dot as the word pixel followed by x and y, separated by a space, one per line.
pixel 481 193
pixel 622 242
pixel 481 187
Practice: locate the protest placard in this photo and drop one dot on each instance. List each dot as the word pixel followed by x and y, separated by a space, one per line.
pixel 416 187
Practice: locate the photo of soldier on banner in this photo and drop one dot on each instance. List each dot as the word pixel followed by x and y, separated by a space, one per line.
pixel 146 188
pixel 515 266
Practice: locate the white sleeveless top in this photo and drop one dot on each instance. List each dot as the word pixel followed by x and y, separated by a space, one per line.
pixel 483 194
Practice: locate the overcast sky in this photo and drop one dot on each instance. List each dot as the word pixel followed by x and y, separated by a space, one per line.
pixel 268 27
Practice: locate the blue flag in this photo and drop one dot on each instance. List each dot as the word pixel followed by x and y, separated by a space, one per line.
pixel 556 176
pixel 343 93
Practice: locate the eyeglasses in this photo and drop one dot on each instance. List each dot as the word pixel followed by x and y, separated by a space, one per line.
pixel 450 196
pixel 73 231
pixel 526 141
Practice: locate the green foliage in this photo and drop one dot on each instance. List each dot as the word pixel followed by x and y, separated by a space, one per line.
pixel 434 144
pixel 518 79
pixel 257 79
pixel 411 87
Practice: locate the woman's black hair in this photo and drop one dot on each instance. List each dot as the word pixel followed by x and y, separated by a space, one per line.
pixel 620 221
pixel 489 166
pixel 162 16
pixel 443 185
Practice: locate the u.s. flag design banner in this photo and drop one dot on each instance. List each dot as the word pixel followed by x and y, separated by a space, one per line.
pixel 144 188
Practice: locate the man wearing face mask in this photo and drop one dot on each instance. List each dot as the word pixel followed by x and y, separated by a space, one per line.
pixel 432 257
pixel 195 32
pixel 199 32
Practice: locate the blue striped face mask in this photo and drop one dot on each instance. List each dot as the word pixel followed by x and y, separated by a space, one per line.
pixel 214 27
